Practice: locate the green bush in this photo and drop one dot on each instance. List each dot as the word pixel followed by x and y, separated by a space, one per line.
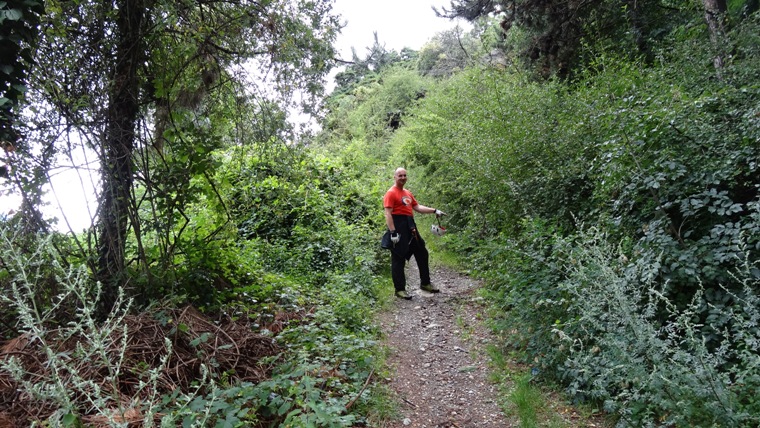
pixel 522 279
pixel 596 317
pixel 495 147
pixel 295 396
pixel 646 369
pixel 650 311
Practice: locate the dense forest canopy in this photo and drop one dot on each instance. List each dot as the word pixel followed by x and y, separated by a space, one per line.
pixel 598 162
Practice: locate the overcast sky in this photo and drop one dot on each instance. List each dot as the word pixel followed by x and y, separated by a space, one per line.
pixel 398 23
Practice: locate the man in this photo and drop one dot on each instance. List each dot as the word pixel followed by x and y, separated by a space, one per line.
pixel 400 205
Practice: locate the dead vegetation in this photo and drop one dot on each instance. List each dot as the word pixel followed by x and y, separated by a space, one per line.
pixel 225 346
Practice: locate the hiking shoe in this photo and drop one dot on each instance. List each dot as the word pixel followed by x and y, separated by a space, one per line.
pixel 403 295
pixel 430 288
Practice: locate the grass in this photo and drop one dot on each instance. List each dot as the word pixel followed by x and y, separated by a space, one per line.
pixel 385 295
pixel 520 396
pixel 439 257
pixel 382 406
pixel 527 401
pixel 466 330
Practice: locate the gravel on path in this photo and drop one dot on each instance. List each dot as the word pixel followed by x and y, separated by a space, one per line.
pixel 437 348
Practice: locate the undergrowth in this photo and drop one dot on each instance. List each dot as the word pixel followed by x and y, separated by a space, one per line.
pixel 323 377
pixel 604 325
pixel 68 390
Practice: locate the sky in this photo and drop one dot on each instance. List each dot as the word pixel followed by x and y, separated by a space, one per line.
pixel 398 23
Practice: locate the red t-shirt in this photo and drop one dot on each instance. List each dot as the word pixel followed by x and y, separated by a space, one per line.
pixel 400 200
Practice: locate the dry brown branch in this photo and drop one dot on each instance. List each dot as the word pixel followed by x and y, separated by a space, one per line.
pixel 351 403
pixel 236 348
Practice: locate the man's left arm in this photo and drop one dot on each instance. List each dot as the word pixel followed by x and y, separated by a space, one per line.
pixel 422 209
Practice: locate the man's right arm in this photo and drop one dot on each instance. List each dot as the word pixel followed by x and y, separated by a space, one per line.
pixel 395 237
pixel 389 219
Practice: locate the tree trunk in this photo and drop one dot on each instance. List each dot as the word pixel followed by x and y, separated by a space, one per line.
pixel 638 27
pixel 117 168
pixel 714 12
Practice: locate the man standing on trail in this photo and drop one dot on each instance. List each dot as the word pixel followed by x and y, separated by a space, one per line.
pixel 405 240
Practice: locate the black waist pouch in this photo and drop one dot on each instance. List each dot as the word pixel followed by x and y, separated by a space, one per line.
pixel 386 241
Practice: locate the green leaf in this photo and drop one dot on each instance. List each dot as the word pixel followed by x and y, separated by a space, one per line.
pixel 70 420
pixel 198 404
pixel 13 14
pixel 294 413
pixel 284 408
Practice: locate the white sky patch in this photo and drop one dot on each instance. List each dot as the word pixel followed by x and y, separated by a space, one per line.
pixel 71 191
pixel 9 202
pixel 72 196
pixel 398 23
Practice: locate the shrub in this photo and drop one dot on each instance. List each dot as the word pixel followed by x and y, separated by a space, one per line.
pixel 618 338
pixel 70 390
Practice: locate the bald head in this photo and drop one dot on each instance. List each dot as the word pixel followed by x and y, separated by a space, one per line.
pixel 399 177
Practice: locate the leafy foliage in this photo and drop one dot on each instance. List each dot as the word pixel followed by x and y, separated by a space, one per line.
pixel 642 367
pixel 321 274
pixel 661 158
pixel 375 108
pixel 448 52
pixel 19 22
pixel 183 97
pixel 551 37
pixel 615 212
pixel 502 132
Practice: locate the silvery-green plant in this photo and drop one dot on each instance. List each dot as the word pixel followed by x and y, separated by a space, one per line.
pixel 99 343
pixel 647 358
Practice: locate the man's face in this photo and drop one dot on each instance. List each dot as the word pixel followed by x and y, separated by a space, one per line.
pixel 400 177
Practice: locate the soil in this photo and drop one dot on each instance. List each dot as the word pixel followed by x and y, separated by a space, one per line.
pixel 438 349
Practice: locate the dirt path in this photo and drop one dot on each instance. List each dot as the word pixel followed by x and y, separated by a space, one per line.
pixel 438 351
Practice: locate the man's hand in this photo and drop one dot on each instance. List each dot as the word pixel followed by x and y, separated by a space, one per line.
pixel 395 237
pixel 439 213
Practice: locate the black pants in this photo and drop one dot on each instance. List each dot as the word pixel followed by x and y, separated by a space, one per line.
pixel 420 253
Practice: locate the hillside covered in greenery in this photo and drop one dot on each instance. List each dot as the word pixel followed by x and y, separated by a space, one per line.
pixel 598 162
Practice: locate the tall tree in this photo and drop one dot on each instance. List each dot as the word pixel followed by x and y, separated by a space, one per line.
pixel 19 31
pixel 715 11
pixel 556 31
pixel 139 83
pixel 118 144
